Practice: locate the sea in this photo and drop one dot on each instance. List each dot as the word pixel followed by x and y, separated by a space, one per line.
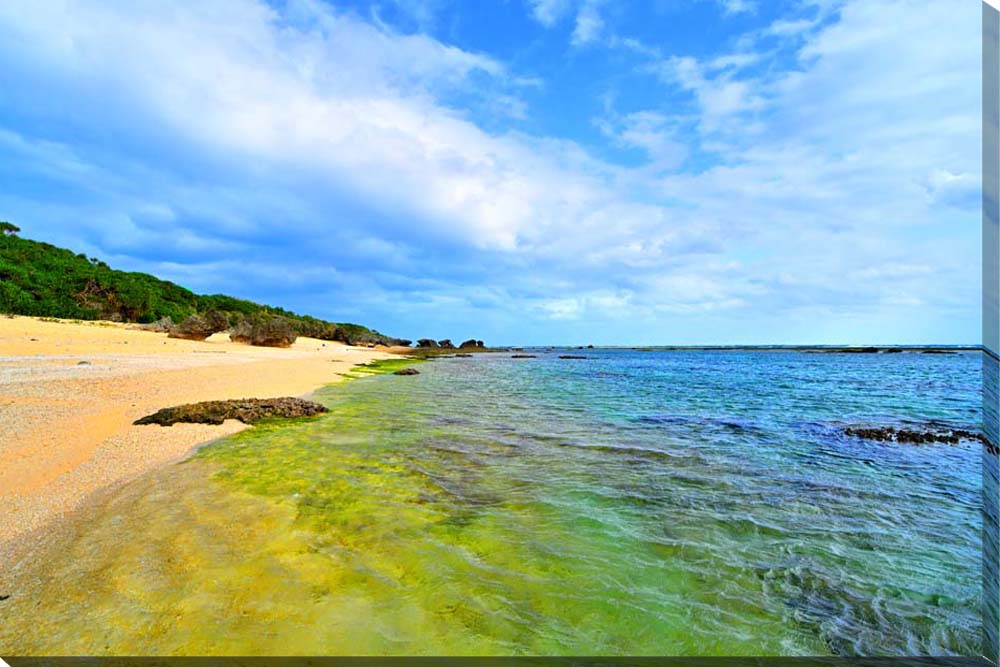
pixel 632 502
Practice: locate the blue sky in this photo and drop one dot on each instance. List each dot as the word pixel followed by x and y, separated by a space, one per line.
pixel 520 171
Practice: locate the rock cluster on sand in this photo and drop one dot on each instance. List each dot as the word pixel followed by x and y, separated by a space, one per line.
pixel 269 332
pixel 162 325
pixel 246 410
pixel 913 436
pixel 198 327
pixel 427 342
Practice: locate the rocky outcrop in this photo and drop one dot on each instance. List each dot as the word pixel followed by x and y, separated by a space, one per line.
pixel 571 356
pixel 471 343
pixel 446 344
pixel 522 356
pixel 406 371
pixel 266 332
pixel 162 325
pixel 246 410
pixel 200 327
pixel 427 342
pixel 924 436
pixel 371 340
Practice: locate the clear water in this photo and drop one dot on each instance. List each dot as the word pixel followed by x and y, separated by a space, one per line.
pixel 635 502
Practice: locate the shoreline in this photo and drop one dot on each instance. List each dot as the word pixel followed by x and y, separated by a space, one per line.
pixel 70 390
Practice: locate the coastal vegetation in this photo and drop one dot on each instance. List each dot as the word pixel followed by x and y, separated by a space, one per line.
pixel 381 367
pixel 40 279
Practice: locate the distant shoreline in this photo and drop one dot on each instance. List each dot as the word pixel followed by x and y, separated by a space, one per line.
pixel 858 349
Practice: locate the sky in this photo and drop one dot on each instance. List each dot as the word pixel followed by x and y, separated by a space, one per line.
pixel 517 171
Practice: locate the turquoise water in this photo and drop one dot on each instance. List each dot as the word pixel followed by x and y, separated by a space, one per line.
pixel 634 502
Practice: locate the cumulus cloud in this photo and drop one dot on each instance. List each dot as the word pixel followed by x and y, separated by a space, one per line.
pixel 349 167
pixel 649 131
pixel 319 90
pixel 547 12
pixel 731 7
pixel 589 23
pixel 961 190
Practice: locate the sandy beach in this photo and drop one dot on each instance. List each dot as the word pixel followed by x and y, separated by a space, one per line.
pixel 69 392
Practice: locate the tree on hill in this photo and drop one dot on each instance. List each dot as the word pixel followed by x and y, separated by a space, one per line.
pixel 40 279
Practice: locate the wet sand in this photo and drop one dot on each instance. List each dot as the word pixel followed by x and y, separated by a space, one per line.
pixel 70 391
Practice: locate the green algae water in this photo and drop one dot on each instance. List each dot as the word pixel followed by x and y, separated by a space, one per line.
pixel 634 502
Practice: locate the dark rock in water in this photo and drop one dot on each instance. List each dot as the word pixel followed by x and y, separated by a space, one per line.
pixel 246 410
pixel 406 371
pixel 937 352
pixel 590 347
pixel 198 327
pixel 950 436
pixel 427 342
pixel 859 350
pixel 463 355
pixel 523 356
pixel 446 344
pixel 571 356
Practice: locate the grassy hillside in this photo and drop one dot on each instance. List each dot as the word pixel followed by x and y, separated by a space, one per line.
pixel 40 279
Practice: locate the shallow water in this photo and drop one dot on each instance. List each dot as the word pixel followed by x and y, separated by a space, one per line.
pixel 668 502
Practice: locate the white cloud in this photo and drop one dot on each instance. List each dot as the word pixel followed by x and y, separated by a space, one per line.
pixel 548 12
pixel 789 28
pixel 852 166
pixel 961 190
pixel 334 95
pixel 589 23
pixel 562 309
pixel 650 131
pixel 718 93
pixel 891 270
pixel 732 7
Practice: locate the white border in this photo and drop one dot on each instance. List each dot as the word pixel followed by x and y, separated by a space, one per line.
pixel 995 4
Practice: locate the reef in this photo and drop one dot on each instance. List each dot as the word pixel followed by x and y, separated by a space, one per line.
pixel 246 410
pixel 922 436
